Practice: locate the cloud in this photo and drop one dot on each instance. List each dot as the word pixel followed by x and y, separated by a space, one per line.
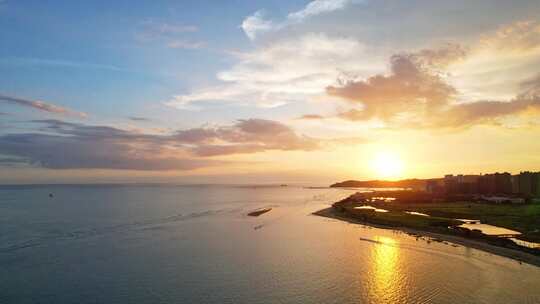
pixel 245 136
pixel 287 71
pixel 41 106
pixel 169 35
pixel 13 162
pixel 484 112
pixel 257 24
pixel 311 117
pixel 60 152
pixel 58 144
pixel 416 94
pixel 498 61
pixel 152 29
pixel 318 7
pixel 520 36
pixel 137 118
pixel 531 87
pixel 182 44
pixel 166 28
pixel 25 61
pixel 412 82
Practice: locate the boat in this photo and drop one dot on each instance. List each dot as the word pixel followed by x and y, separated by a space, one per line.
pixel 259 211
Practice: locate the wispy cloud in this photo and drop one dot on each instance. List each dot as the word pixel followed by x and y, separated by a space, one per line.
pixel 137 118
pixel 170 35
pixel 311 117
pixel 26 61
pixel 520 36
pixel 173 28
pixel 41 106
pixel 284 72
pixel 150 30
pixel 257 23
pixel 184 44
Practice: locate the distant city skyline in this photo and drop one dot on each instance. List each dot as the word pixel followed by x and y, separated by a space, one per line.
pixel 267 91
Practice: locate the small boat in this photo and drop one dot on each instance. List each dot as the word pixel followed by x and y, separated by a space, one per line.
pixel 259 211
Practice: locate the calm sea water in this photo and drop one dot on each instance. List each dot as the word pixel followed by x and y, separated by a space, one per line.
pixel 195 244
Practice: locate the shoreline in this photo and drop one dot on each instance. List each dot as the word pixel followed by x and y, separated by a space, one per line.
pixel 519 256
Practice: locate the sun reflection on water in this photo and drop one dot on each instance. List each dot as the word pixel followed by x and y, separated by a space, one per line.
pixel 386 272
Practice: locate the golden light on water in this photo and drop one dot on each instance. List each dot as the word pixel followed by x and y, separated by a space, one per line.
pixel 386 272
pixel 387 165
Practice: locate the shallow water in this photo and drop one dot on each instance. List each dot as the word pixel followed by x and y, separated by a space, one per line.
pixel 371 208
pixel 148 244
pixel 490 229
pixel 416 213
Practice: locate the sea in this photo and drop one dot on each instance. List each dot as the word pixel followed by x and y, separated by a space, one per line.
pixel 196 244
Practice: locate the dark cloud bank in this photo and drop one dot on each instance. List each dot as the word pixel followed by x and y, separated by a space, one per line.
pixel 57 144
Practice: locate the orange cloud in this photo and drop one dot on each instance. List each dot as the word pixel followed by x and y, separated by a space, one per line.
pixel 415 93
pixel 518 36
pixel 41 106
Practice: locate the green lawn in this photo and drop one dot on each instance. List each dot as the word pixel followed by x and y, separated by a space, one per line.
pixel 397 218
pixel 523 218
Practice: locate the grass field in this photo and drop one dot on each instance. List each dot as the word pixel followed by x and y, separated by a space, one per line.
pixel 522 218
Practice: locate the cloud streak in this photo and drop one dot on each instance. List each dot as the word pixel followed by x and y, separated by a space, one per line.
pixel 25 61
pixel 41 106
pixel 284 72
pixel 521 36
pixel 256 24
pixel 311 117
pixel 170 35
pixel 184 44
pixel 137 118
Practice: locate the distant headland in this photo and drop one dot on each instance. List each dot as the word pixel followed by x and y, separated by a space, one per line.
pixel 414 183
pixel 525 185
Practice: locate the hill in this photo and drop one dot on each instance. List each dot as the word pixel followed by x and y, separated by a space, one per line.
pixel 405 183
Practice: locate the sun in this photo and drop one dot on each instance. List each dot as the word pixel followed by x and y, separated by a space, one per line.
pixel 387 165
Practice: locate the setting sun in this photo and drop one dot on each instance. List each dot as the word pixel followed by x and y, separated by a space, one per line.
pixel 387 165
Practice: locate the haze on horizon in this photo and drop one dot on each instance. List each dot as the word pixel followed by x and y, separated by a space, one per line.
pixel 267 91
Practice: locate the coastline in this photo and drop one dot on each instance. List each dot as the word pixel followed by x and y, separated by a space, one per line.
pixel 520 256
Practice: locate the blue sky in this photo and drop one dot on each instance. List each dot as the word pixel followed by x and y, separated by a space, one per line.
pixel 353 66
pixel 92 51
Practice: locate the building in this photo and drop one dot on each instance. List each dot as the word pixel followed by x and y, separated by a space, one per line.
pixel 515 184
pixel 497 183
pixel 486 184
pixel 450 184
pixel 435 186
pixel 535 184
pixel 500 185
pixel 528 183
pixel 503 183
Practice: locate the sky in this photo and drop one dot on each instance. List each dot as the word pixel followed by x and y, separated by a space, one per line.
pixel 267 91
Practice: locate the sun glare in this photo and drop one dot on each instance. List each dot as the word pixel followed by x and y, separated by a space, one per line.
pixel 387 165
